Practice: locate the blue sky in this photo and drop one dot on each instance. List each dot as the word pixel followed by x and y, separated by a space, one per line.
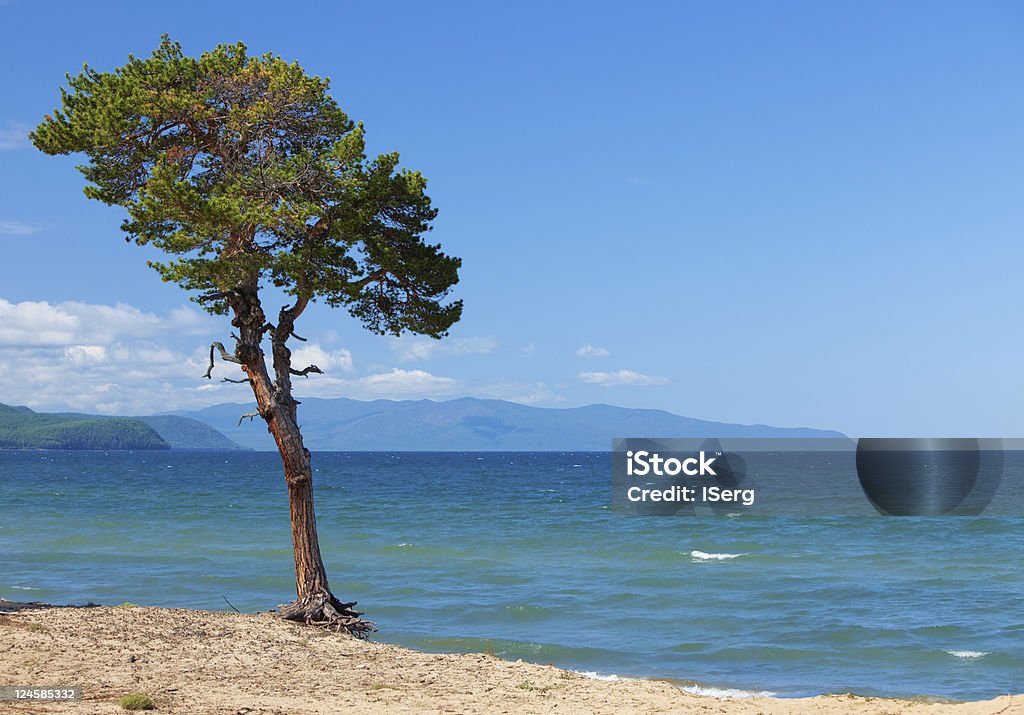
pixel 795 213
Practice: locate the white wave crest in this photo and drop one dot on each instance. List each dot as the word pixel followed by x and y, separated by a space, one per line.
pixel 27 588
pixel 968 654
pixel 726 693
pixel 705 556
pixel 593 675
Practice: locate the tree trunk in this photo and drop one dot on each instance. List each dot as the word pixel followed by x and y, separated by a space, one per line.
pixel 314 604
pixel 310 575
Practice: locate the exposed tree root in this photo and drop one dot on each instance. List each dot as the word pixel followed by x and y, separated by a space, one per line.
pixel 323 610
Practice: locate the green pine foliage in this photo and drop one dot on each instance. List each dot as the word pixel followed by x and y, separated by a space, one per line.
pixel 244 168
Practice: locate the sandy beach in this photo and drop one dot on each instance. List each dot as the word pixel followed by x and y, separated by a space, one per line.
pixel 240 664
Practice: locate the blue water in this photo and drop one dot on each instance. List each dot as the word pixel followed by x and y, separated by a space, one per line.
pixel 521 554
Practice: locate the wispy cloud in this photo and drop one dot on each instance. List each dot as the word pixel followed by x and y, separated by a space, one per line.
pixel 400 384
pixel 526 393
pixel 592 351
pixel 18 228
pixel 14 135
pixel 615 378
pixel 411 349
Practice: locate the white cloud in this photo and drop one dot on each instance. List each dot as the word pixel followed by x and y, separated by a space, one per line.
pixel 409 349
pixel 15 136
pixel 621 377
pixel 400 384
pixel 85 354
pixel 33 323
pixel 17 228
pixel 591 351
pixel 130 377
pixel 406 382
pixel 327 360
pixel 113 359
pixel 395 384
pixel 192 321
pixel 118 359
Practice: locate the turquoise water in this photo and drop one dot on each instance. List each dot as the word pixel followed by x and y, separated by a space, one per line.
pixel 520 553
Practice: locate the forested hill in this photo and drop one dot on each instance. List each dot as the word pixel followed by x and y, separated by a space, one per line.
pixel 22 428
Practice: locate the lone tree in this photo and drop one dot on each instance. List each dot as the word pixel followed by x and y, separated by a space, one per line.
pixel 246 172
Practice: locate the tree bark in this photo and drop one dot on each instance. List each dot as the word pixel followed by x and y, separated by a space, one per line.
pixel 314 604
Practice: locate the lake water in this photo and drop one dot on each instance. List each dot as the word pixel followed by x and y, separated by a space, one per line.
pixel 521 554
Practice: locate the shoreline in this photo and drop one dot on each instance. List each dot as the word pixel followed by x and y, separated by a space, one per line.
pixel 191 661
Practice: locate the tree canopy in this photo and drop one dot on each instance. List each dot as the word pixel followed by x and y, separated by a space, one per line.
pixel 244 168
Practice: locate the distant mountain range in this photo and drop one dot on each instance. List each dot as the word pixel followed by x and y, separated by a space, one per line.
pixel 186 433
pixel 466 424
pixel 470 424
pixel 23 428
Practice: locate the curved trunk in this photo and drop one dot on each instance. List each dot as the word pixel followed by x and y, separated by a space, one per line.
pixel 310 575
pixel 314 604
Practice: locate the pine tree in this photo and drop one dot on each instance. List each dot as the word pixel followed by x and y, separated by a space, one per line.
pixel 246 173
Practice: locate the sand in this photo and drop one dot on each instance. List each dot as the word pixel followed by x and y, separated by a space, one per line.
pixel 240 664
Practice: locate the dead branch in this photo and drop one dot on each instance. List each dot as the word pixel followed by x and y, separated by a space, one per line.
pixel 250 415
pixel 298 337
pixel 304 372
pixel 224 355
pixel 237 382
